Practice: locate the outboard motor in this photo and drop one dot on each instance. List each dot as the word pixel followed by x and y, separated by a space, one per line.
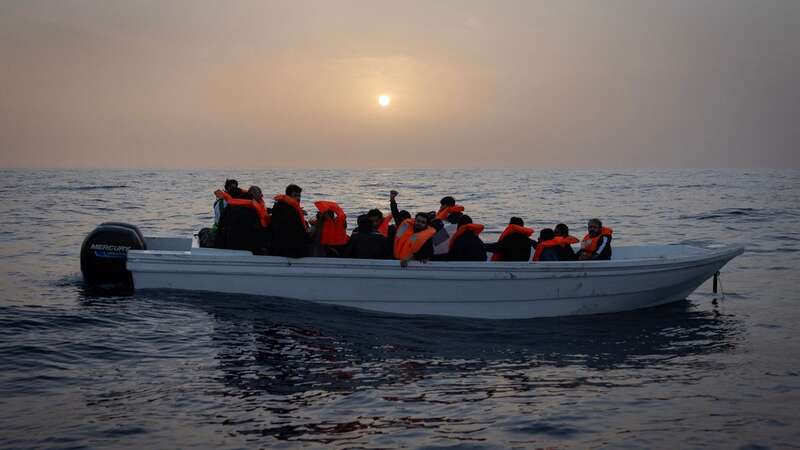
pixel 105 251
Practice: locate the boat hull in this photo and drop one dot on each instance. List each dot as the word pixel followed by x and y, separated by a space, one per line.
pixel 468 289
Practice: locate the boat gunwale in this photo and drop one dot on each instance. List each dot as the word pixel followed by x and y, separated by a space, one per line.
pixel 139 259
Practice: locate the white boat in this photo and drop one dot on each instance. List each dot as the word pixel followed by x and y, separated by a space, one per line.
pixel 636 277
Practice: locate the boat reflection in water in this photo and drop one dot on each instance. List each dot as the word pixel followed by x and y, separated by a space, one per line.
pixel 312 372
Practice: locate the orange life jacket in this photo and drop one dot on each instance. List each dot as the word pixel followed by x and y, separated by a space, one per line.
pixel 294 204
pixel 569 240
pixel 383 228
pixel 334 232
pixel 557 241
pixel 589 244
pixel 472 227
pixel 442 215
pixel 511 229
pixel 258 206
pixel 407 242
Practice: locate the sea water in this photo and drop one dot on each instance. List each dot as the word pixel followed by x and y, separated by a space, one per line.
pixel 86 369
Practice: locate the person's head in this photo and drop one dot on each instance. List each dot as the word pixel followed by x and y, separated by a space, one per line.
pixel 594 226
pixel 294 191
pixel 464 220
pixel 447 202
pixel 454 217
pixel 546 234
pixel 420 221
pixel 255 193
pixel 516 221
pixel 365 223
pixel 404 215
pixel 561 230
pixel 376 216
pixel 231 186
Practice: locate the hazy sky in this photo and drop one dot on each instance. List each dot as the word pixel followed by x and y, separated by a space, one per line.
pixel 219 84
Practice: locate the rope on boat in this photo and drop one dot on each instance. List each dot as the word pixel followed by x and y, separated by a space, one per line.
pixel 718 281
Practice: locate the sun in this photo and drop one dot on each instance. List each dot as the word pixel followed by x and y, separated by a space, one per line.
pixel 384 100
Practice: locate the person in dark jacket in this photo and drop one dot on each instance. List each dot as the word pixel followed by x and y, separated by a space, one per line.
pixel 240 229
pixel 378 220
pixel 244 222
pixel 366 242
pixel 399 216
pixel 288 230
pixel 546 253
pixel 466 245
pixel 211 237
pixel 514 244
pixel 565 251
pixel 232 188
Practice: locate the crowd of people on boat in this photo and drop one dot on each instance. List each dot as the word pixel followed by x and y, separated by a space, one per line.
pixel 242 221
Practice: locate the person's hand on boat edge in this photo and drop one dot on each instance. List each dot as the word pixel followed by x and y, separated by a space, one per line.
pixel 404 262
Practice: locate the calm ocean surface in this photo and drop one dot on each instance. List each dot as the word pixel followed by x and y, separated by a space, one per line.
pixel 80 369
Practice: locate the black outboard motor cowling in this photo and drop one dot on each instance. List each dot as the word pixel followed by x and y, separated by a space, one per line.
pixel 105 251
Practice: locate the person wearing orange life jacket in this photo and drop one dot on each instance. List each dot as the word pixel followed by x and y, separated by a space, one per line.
pixel 398 216
pixel 288 230
pixel 214 236
pixel 514 243
pixel 596 245
pixel 380 223
pixel 445 221
pixel 256 204
pixel 448 207
pixel 465 244
pixel 413 240
pixel 548 246
pixel 565 252
pixel 232 188
pixel 331 227
pixel 244 222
